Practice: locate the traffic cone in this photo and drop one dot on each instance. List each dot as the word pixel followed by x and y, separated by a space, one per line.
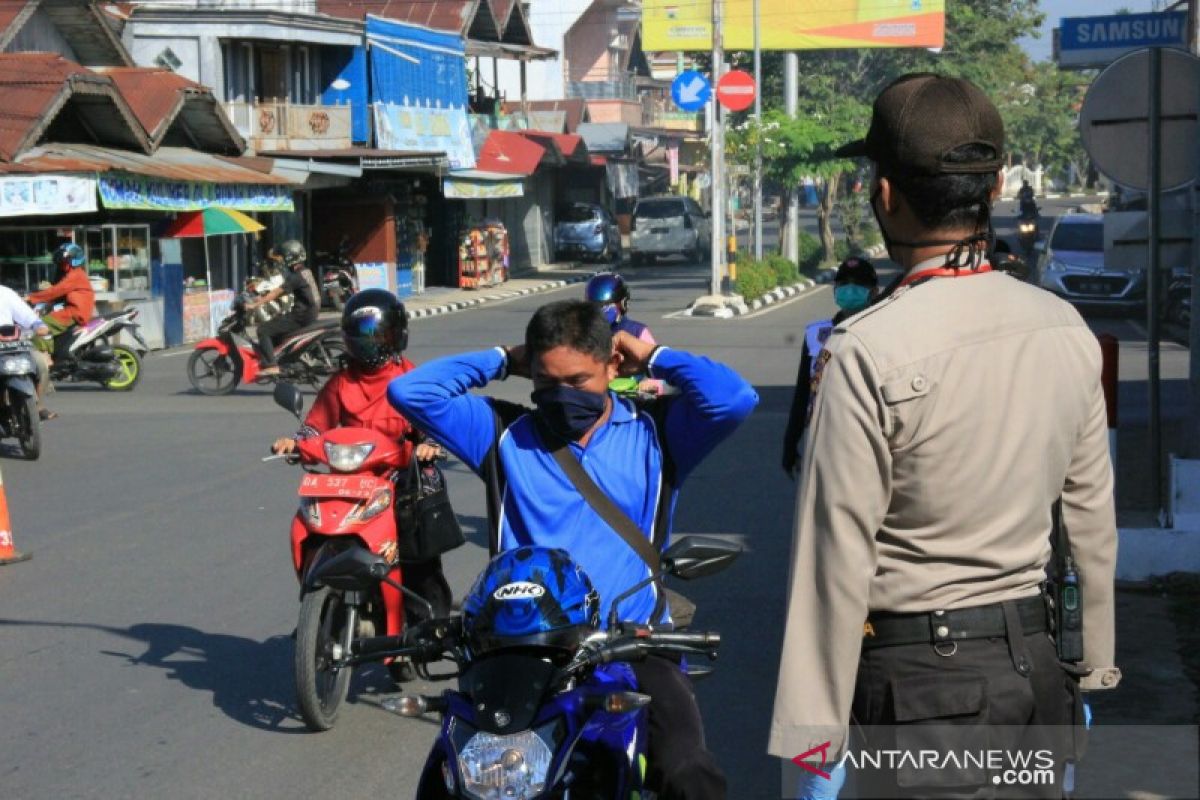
pixel 8 553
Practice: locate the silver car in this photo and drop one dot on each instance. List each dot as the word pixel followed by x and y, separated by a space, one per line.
pixel 669 226
pixel 1072 266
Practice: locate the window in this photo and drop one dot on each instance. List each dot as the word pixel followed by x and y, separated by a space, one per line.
pixel 168 60
pixel 1079 236
pixel 659 209
pixel 578 213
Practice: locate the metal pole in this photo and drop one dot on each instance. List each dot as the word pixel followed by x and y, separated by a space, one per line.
pixel 758 78
pixel 1194 327
pixel 1154 281
pixel 718 157
pixel 791 101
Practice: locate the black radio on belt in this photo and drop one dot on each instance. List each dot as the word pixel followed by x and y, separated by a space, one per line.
pixel 1068 608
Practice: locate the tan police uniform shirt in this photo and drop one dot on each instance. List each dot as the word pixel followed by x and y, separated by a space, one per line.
pixel 947 420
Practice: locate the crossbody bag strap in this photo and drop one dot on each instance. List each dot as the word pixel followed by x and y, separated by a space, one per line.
pixel 616 519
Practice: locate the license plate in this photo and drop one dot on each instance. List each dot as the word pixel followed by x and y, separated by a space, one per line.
pixel 356 487
pixel 1092 287
pixel 660 230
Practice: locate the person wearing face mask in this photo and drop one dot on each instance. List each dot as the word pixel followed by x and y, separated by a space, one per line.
pixel 638 457
pixel 855 285
pixel 955 423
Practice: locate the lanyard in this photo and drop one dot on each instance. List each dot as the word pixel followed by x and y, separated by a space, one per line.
pixel 944 272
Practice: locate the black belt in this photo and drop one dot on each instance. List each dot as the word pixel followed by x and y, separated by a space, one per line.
pixel 884 629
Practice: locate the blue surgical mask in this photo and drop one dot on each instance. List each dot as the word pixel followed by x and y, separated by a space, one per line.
pixel 851 297
pixel 567 411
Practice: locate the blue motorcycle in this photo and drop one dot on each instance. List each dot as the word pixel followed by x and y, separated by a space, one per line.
pixel 547 704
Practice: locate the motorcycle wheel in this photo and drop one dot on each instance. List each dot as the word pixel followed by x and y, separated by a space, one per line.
pixel 324 621
pixel 325 358
pixel 212 373
pixel 131 370
pixel 29 428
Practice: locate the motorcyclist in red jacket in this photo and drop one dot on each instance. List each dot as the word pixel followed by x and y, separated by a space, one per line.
pixel 375 328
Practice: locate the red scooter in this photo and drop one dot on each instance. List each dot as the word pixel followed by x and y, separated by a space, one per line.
pixel 345 516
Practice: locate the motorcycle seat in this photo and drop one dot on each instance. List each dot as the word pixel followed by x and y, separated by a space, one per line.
pixel 113 314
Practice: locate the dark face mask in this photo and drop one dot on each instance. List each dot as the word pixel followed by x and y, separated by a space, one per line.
pixel 567 411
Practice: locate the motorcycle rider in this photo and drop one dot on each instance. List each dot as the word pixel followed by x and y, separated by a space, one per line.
pixel 79 306
pixel 1025 198
pixel 299 283
pixel 375 328
pixel 609 291
pixel 571 355
pixel 15 311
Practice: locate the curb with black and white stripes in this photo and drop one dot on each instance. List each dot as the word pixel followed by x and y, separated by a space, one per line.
pixel 462 305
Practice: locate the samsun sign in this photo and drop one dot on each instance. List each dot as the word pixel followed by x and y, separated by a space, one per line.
pixel 736 90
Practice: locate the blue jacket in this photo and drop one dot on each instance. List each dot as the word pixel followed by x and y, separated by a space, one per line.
pixel 537 503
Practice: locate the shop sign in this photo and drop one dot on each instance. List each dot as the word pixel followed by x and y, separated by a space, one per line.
pixel 426 130
pixel 147 194
pixel 372 276
pixel 46 194
pixel 465 189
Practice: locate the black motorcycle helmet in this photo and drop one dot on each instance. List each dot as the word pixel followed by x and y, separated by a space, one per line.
pixel 375 327
pixel 292 253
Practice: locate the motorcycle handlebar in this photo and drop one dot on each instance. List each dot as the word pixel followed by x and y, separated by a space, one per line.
pixel 638 646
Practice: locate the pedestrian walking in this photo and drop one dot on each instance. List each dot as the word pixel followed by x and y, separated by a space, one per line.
pixel 951 420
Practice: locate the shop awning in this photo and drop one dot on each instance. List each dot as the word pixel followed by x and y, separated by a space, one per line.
pixel 509 153
pixel 173 179
pixel 474 184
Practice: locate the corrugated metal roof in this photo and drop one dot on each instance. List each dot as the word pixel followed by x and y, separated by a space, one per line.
pixel 576 110
pixel 443 15
pixel 10 11
pixel 167 163
pixel 510 153
pixel 153 93
pixel 566 143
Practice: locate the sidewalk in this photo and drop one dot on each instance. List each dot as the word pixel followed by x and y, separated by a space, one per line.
pixel 436 300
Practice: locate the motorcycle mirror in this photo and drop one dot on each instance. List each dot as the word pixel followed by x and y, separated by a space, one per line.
pixel 289 397
pixel 699 556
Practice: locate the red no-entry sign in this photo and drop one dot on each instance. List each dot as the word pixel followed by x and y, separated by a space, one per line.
pixel 736 90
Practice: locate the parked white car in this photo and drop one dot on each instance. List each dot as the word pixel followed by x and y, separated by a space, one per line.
pixel 669 226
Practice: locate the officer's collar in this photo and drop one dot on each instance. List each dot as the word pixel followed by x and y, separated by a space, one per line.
pixel 623 410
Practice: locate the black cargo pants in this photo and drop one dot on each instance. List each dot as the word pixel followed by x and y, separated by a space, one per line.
pixel 966 699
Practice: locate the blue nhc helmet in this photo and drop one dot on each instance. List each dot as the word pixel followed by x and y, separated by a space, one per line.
pixel 531 597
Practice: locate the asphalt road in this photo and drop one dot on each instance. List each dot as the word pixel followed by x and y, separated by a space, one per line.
pixel 144 650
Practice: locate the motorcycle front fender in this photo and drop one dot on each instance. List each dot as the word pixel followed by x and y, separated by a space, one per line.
pixel 20 383
pixel 213 344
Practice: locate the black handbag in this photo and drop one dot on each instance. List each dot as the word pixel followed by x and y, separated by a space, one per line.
pixel 426 524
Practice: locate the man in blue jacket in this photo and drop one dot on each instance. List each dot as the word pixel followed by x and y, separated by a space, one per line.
pixel 637 457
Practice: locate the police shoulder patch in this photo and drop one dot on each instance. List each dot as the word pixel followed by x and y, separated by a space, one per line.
pixel 818 370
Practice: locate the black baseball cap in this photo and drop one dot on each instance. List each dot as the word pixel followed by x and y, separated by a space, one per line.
pixel 921 117
pixel 856 270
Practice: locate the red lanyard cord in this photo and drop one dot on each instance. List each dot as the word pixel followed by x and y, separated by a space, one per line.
pixel 945 272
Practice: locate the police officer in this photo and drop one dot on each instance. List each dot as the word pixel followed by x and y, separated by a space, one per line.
pixel 948 420
pixel 855 285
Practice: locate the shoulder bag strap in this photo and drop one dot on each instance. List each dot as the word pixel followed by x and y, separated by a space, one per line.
pixel 618 520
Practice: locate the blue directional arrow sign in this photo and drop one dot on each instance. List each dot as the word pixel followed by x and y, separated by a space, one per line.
pixel 690 90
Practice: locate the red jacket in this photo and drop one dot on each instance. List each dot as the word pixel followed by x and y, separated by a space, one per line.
pixel 79 294
pixel 353 398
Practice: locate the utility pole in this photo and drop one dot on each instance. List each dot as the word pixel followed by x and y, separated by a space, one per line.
pixel 758 77
pixel 717 138
pixel 791 101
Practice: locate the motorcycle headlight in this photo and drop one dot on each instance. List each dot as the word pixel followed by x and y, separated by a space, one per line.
pixel 513 767
pixel 369 509
pixel 347 457
pixel 17 365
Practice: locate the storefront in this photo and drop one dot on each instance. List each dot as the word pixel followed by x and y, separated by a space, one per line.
pixel 117 214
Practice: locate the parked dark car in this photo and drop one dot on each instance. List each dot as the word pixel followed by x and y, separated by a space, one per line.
pixel 1072 266
pixel 587 231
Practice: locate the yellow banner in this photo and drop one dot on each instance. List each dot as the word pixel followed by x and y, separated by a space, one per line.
pixel 795 24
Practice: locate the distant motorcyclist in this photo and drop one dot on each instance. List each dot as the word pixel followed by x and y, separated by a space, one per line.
pixel 297 282
pixel 73 288
pixel 1028 204
pixel 15 311
pixel 609 291
pixel 375 328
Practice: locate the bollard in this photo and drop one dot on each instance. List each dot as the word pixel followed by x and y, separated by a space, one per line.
pixel 1110 350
